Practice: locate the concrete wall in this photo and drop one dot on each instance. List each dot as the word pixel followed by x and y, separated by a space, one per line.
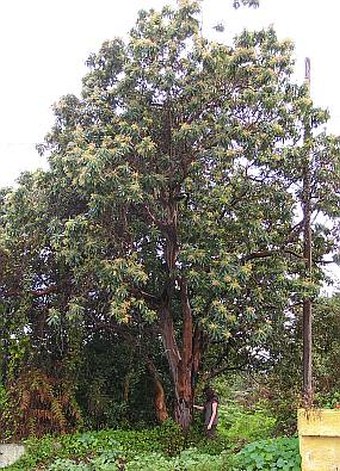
pixel 319 438
pixel 10 453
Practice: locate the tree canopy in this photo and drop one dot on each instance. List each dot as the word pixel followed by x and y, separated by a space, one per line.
pixel 169 217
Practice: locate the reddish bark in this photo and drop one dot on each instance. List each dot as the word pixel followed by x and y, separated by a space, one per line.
pixel 161 410
pixel 184 361
pixel 183 356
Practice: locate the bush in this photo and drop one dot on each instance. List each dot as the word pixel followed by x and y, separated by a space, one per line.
pixel 269 455
pixel 196 460
pixel 105 445
pixel 161 448
pixel 105 462
pixel 5 414
pixel 37 404
pixel 65 464
pixel 239 426
pixel 188 460
pixel 170 437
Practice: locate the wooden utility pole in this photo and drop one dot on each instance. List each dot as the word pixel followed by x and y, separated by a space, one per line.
pixel 307 253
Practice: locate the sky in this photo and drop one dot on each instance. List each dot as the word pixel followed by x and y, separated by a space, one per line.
pixel 44 45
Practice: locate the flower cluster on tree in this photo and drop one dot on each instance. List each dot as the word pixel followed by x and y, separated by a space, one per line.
pixel 169 215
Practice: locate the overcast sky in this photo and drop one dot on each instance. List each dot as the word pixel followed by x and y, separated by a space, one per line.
pixel 44 44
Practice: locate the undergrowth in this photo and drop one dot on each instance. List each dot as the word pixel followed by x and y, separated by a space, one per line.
pixel 161 449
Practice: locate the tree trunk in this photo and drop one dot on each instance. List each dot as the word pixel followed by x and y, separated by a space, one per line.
pixel 185 393
pixel 184 362
pixel 161 410
pixel 183 359
pixel 183 412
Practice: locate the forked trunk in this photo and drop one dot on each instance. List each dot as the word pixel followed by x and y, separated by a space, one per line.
pixel 183 362
pixel 181 351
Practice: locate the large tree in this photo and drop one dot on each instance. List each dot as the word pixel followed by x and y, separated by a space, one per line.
pixel 167 216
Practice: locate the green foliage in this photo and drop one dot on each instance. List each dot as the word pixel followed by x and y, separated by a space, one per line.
pixel 113 385
pixel 74 449
pixel 100 450
pixel 149 461
pixel 3 397
pixel 245 412
pixel 272 455
pixel 328 400
pixel 37 404
pixel 144 451
pixel 326 350
pixel 6 431
pixel 284 381
pixel 165 222
pixel 240 426
pixel 171 437
pixel 188 460
pixel 65 464
pixel 106 461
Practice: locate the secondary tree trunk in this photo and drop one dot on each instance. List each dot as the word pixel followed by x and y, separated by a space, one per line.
pixel 161 410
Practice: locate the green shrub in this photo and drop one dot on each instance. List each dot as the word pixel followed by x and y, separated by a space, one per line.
pixel 239 426
pixel 104 445
pixel 5 413
pixel 269 455
pixel 160 448
pixel 188 460
pixel 149 462
pixel 104 462
pixel 170 437
pixel 329 400
pixel 196 460
pixel 68 465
